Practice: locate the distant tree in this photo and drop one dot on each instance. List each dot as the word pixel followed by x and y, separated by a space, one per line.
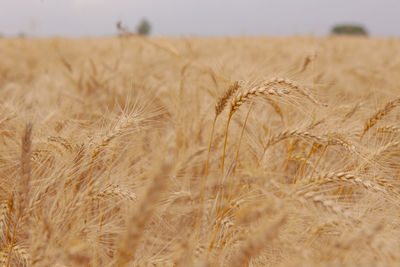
pixel 122 29
pixel 119 25
pixel 350 29
pixel 144 27
pixel 21 35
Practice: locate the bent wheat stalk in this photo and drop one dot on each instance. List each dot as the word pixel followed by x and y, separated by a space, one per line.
pixel 268 88
pixel 289 134
pixel 377 187
pixel 236 102
pixel 338 141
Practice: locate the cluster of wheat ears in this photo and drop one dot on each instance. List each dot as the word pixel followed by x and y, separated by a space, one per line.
pixel 200 152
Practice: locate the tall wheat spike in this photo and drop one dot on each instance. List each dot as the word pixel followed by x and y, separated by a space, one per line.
pixel 219 107
pixel 130 240
pixel 21 196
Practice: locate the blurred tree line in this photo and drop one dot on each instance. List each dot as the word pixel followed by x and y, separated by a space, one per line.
pixel 349 29
pixel 143 28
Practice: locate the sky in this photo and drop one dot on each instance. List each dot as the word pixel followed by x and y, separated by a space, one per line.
pixel 96 18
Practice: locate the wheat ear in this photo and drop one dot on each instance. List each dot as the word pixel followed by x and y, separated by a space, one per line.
pixel 294 86
pixel 379 153
pixel 381 187
pixel 223 100
pixel 306 135
pixel 379 115
pixel 387 129
pixel 264 90
pixel 289 134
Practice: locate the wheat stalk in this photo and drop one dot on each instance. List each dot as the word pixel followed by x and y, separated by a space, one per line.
pixel 219 107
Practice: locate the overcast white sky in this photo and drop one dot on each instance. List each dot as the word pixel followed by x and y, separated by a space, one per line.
pixel 76 18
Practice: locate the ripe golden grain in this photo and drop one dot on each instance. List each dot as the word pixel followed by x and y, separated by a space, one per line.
pixel 93 186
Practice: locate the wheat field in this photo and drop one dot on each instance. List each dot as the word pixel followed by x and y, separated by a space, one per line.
pixel 158 151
